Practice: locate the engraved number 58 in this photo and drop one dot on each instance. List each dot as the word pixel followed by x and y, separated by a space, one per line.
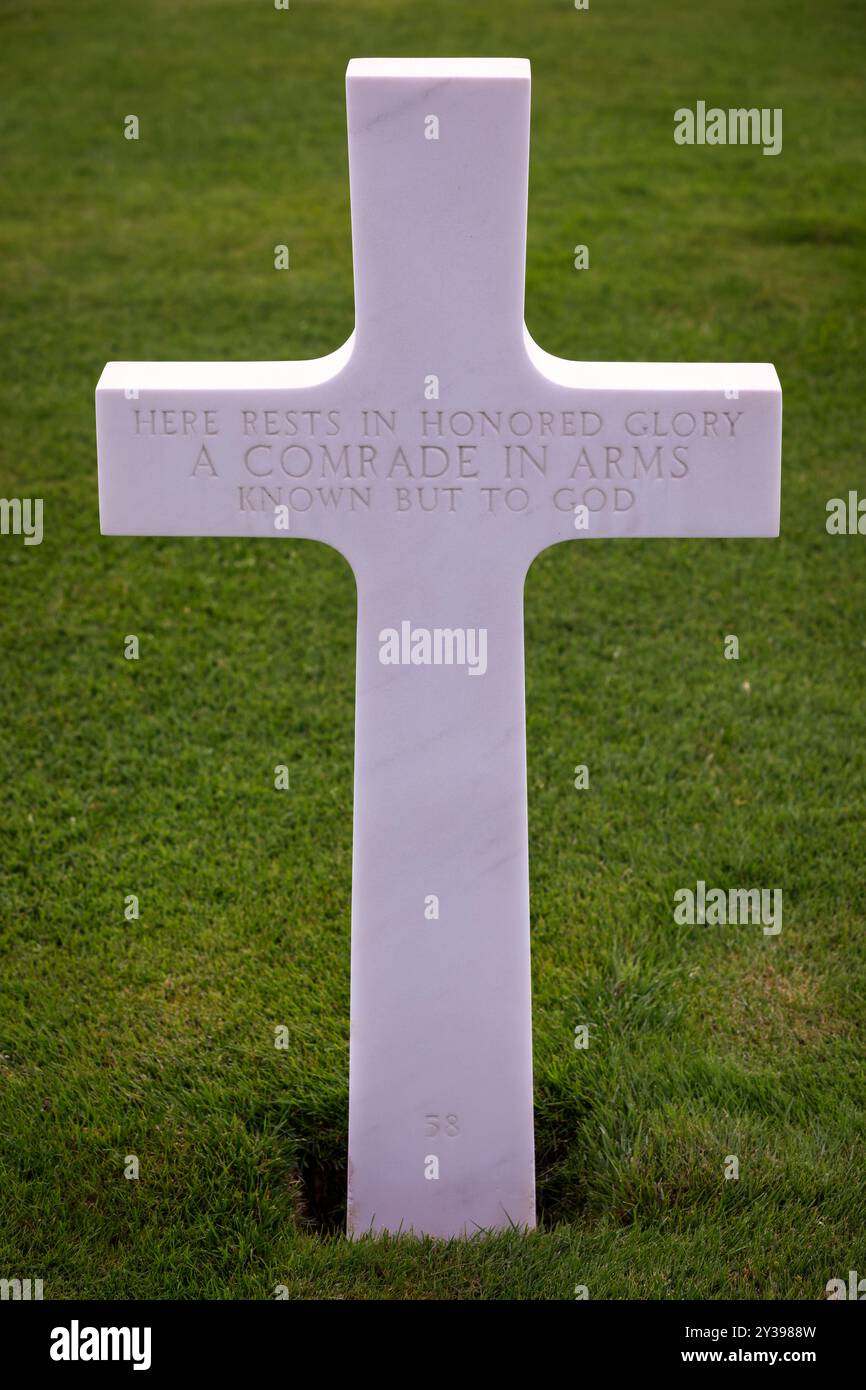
pixel 444 1124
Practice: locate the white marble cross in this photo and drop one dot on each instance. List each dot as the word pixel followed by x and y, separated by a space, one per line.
pixel 439 450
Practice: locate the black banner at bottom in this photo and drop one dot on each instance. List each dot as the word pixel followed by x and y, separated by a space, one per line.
pixel 155 1338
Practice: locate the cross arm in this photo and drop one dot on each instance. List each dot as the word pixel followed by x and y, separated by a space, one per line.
pixel 656 449
pixel 212 448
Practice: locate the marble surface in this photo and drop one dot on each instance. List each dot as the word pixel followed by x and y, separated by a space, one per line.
pixel 439 450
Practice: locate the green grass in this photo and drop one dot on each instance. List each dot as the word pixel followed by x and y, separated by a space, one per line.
pixel 156 778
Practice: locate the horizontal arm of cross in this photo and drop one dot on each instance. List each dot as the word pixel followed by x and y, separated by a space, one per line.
pixel 440 424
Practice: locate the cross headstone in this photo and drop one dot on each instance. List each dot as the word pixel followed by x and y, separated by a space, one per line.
pixel 440 449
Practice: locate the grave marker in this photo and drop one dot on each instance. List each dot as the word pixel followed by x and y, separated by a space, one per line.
pixel 439 450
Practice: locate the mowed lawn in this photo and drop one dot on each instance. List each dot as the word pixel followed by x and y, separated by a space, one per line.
pixel 155 1037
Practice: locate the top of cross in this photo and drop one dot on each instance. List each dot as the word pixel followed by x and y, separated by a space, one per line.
pixel 440 411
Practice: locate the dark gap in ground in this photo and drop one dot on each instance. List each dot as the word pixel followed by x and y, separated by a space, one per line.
pixel 323 1184
pixel 560 1178
pixel 559 1190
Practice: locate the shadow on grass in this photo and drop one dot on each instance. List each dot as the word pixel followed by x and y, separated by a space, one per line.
pixel 323 1167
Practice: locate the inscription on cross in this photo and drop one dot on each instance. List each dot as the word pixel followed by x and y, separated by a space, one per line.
pixel 439 449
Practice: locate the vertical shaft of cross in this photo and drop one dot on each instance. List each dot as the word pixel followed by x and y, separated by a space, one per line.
pixel 438 165
pixel 440 1116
